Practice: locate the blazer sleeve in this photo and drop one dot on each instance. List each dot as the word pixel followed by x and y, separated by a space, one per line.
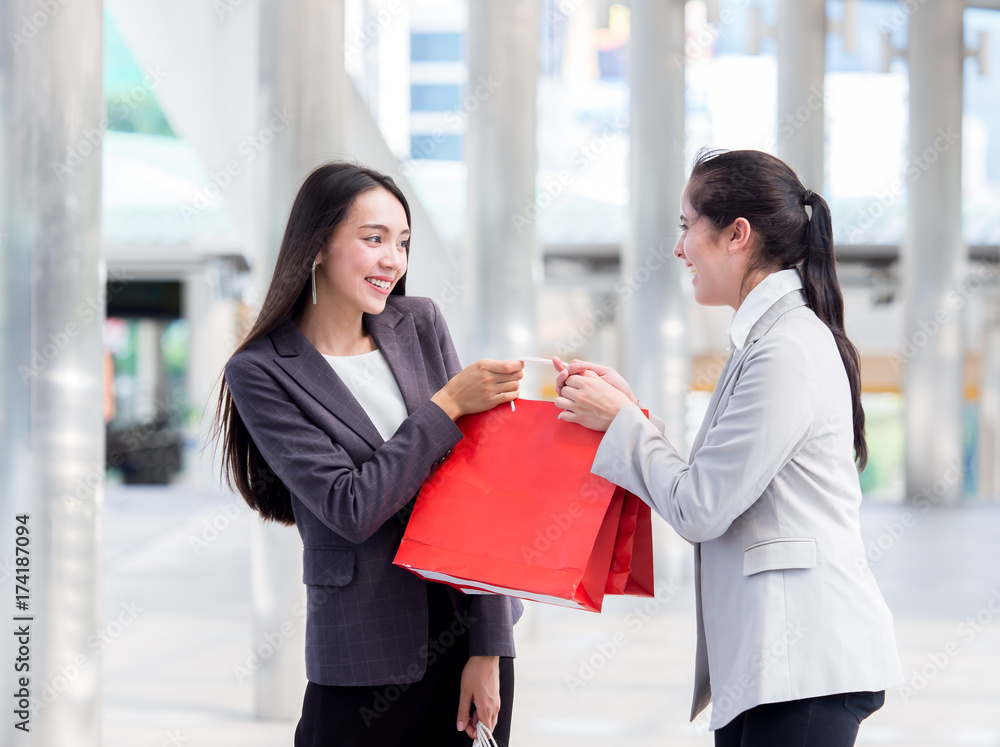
pixel 766 420
pixel 352 500
pixel 491 617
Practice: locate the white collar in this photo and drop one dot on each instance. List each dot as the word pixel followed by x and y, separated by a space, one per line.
pixel 758 301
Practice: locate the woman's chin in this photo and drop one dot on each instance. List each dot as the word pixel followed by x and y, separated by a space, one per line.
pixel 375 306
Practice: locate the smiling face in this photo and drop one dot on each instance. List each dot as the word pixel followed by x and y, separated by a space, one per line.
pixel 366 256
pixel 714 256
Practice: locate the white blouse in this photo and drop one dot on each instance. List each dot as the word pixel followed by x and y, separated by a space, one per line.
pixel 374 387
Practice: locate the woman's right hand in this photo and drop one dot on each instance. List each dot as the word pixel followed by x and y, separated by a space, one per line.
pixel 607 374
pixel 480 386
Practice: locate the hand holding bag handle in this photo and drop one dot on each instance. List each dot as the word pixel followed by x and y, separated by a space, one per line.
pixel 484 737
pixel 553 531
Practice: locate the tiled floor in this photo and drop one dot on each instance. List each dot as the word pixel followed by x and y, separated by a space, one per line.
pixel 171 669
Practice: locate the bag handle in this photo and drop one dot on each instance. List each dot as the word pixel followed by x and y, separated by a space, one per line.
pixel 529 359
pixel 484 737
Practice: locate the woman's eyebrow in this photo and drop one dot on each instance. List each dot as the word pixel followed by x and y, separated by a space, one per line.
pixel 380 227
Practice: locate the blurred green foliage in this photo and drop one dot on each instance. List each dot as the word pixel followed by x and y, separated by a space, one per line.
pixel 129 91
pixel 883 478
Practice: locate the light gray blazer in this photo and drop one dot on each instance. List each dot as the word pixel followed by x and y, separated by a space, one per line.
pixel 787 607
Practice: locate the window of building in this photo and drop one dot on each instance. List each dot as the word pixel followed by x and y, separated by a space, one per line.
pixel 981 130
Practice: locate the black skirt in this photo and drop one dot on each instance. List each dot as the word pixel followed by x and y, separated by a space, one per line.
pixel 415 714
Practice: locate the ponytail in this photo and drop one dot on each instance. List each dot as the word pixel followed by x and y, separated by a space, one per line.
pixel 823 294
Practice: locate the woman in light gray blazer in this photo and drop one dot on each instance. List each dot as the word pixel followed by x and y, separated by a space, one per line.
pixel 795 643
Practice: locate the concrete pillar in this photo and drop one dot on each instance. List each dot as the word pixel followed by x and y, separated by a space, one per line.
pixel 500 153
pixel 393 52
pixel 934 256
pixel 149 370
pixel 989 402
pixel 51 392
pixel 211 314
pixel 801 75
pixel 302 77
pixel 658 363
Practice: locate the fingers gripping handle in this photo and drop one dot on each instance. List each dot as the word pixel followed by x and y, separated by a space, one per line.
pixel 484 737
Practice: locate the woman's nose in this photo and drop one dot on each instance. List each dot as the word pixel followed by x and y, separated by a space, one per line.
pixel 679 249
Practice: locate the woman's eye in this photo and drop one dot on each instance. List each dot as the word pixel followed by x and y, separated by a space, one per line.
pixel 683 226
pixel 376 239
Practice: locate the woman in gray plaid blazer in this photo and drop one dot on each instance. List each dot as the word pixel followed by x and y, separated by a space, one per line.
pixel 333 411
pixel 795 643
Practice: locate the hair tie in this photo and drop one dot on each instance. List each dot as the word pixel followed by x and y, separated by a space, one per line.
pixel 807 197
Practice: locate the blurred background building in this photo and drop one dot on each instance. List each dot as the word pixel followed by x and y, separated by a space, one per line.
pixel 179 229
pixel 543 145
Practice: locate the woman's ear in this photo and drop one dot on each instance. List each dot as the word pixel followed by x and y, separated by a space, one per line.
pixel 740 234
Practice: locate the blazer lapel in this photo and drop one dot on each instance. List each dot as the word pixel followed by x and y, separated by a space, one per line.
pixel 713 405
pixel 396 336
pixel 787 302
pixel 305 364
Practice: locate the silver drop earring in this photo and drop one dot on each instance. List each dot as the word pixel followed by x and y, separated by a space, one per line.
pixel 314 282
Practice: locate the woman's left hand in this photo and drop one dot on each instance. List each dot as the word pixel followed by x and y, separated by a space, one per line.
pixel 481 686
pixel 588 400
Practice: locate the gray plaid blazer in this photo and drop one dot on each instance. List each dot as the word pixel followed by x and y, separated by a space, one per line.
pixel 367 620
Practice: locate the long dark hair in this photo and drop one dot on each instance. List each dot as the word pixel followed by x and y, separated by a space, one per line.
pixel 324 202
pixel 750 184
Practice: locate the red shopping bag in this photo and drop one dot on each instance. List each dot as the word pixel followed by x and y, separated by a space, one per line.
pixel 632 565
pixel 515 510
